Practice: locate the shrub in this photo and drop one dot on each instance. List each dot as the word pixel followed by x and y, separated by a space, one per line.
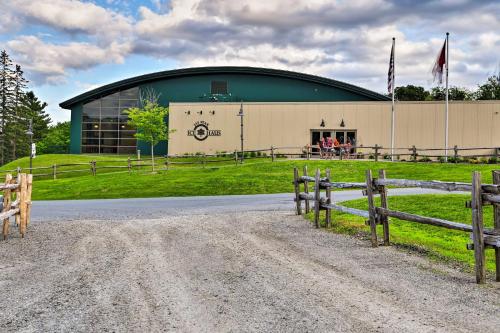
pixel 493 160
pixel 442 159
pixel 425 159
pixel 483 160
pixel 371 157
pixel 386 157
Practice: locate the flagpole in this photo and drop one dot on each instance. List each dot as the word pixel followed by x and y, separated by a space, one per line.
pixel 392 93
pixel 446 98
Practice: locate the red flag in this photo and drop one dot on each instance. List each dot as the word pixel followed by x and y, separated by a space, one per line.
pixel 438 68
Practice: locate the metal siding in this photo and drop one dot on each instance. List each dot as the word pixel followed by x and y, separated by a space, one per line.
pixel 242 87
pixel 76 129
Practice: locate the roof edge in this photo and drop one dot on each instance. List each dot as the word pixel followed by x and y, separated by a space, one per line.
pixel 136 80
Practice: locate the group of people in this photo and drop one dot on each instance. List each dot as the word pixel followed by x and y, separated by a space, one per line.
pixel 330 147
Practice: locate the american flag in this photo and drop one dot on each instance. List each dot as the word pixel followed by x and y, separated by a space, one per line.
pixel 438 68
pixel 390 74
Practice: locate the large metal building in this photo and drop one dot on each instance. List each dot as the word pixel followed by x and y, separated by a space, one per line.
pixel 281 108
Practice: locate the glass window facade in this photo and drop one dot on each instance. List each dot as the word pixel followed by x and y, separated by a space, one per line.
pixel 104 124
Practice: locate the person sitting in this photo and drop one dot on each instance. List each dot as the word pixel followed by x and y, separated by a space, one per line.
pixel 321 144
pixel 348 148
pixel 329 145
pixel 336 144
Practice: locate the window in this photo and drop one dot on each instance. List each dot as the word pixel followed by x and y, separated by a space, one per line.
pixel 219 88
pixel 104 126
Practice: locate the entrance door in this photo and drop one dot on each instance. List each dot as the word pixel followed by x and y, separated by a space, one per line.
pixel 345 136
pixel 316 135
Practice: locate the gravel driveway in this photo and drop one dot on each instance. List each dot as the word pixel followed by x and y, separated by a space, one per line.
pixel 252 271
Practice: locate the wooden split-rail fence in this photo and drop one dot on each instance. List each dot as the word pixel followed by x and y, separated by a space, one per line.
pixel 16 201
pixel 481 195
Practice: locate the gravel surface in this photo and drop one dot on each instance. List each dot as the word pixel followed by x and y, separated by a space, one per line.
pixel 250 271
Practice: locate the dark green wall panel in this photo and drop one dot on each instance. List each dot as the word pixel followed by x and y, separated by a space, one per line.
pixel 76 129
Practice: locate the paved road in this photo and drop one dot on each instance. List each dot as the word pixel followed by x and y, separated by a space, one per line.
pixel 119 209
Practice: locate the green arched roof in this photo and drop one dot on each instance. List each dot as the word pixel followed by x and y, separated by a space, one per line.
pixel 171 74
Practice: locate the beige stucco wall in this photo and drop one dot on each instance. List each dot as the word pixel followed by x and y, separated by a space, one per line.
pixel 472 124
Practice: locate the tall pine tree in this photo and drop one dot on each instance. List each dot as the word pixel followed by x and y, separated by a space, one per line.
pixel 6 101
pixel 15 131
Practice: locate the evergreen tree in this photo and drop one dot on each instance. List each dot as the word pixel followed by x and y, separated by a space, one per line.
pixel 16 129
pixel 7 84
pixel 31 108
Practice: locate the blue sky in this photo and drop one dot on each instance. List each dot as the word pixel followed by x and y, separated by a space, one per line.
pixel 68 46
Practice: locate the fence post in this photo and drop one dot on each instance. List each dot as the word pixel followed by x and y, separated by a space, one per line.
pixel 297 190
pixel 93 168
pixel 371 208
pixel 138 154
pixel 18 171
pixel 477 227
pixel 23 185
pixel 306 190
pixel 383 202
pixel 17 217
pixel 236 157
pixel 54 171
pixel 341 153
pixel 272 154
pixel 317 198
pixel 6 205
pixel 376 152
pixel 309 151
pixel 29 186
pixel 328 214
pixel 203 160
pixel 414 153
pixel 496 223
pixel 455 153
pixel 129 165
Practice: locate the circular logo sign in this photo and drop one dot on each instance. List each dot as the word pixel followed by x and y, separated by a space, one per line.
pixel 200 132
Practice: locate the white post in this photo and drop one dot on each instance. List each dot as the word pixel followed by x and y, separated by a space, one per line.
pixel 392 93
pixel 446 98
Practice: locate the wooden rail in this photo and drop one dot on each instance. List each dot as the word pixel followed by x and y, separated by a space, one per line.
pixel 16 202
pixel 481 195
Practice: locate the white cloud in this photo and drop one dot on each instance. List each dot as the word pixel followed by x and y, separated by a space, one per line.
pixel 346 40
pixel 49 63
pixel 73 17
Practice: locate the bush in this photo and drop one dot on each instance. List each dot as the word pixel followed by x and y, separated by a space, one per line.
pixel 442 159
pixel 371 157
pixel 386 157
pixel 483 160
pixel 425 159
pixel 493 160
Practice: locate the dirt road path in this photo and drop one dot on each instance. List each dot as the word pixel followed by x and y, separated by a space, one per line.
pixel 232 272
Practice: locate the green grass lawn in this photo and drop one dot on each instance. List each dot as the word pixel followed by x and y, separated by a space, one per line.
pixel 253 177
pixel 436 242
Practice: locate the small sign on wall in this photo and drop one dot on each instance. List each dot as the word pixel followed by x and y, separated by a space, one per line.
pixel 201 131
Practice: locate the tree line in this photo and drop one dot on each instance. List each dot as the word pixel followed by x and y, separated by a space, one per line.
pixel 489 90
pixel 19 106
